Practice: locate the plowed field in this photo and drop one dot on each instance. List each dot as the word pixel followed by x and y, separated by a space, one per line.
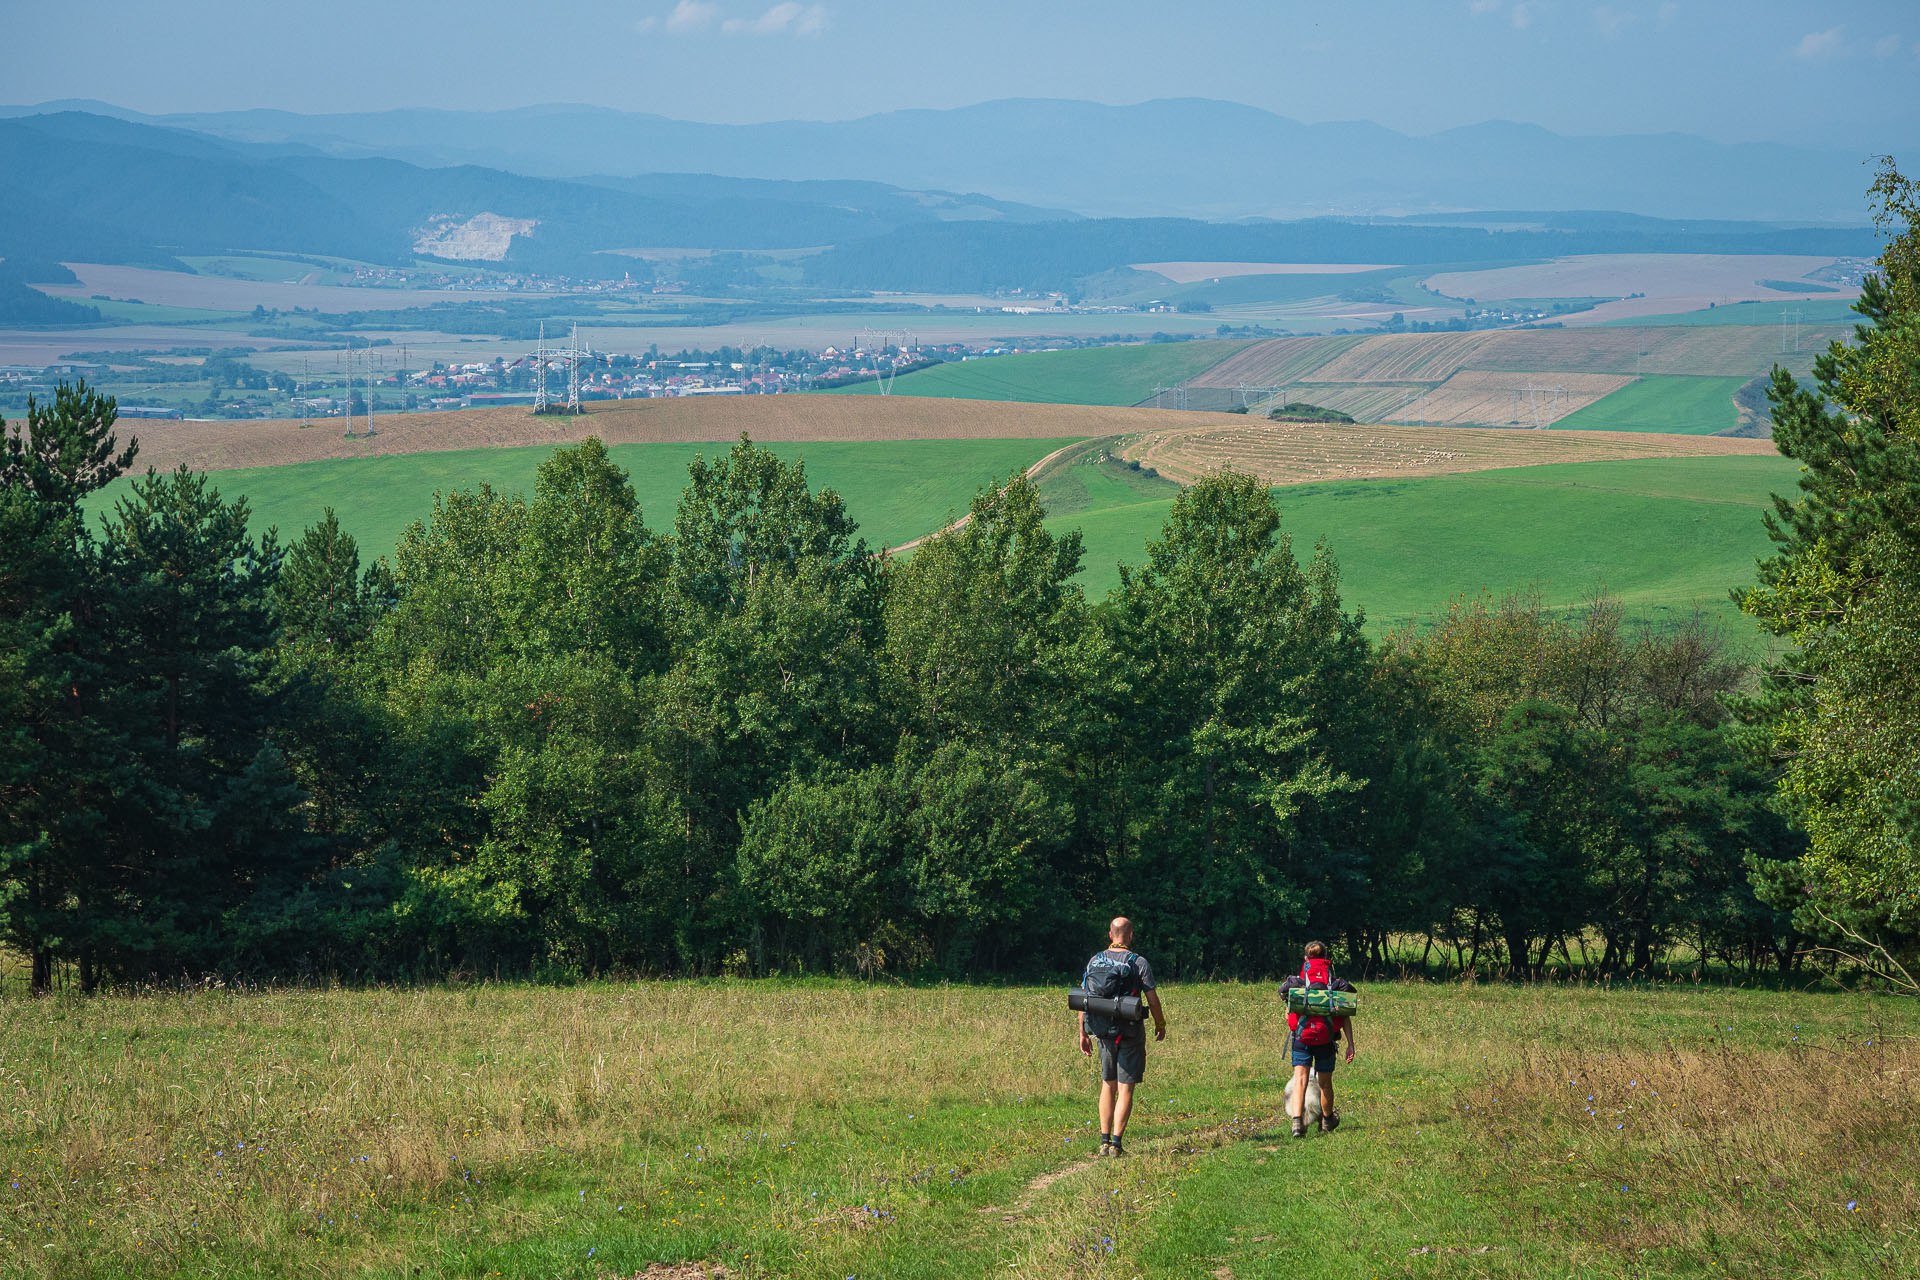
pixel 1283 453
pixel 215 446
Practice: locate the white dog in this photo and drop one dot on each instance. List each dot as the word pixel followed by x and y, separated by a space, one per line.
pixel 1312 1113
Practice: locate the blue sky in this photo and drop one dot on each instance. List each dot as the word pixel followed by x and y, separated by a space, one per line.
pixel 1830 74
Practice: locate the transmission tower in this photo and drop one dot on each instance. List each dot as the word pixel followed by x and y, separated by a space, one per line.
pixel 1534 406
pixel 575 354
pixel 875 343
pixel 1792 316
pixel 540 372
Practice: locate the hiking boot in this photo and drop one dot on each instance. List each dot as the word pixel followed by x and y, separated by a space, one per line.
pixel 1106 1146
pixel 1299 1127
pixel 1329 1121
pixel 1118 1150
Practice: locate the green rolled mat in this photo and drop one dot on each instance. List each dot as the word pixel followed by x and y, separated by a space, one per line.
pixel 1322 1001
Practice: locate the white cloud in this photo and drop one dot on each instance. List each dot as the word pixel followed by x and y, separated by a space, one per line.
pixel 691 15
pixel 1522 17
pixel 645 26
pixel 1663 16
pixel 1610 22
pixel 1886 46
pixel 788 18
pixel 1818 44
pixel 1480 8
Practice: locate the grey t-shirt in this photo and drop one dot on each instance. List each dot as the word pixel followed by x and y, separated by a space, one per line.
pixel 1130 1032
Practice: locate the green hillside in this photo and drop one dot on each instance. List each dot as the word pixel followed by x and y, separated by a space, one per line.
pixel 1091 375
pixel 1691 406
pixel 897 490
pixel 1663 535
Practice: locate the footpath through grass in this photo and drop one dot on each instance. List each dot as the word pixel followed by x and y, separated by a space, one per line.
pixel 1692 406
pixel 1664 535
pixel 830 1129
pixel 896 489
pixel 1090 375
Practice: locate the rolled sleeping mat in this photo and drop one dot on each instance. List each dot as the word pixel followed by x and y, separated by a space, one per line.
pixel 1126 1008
pixel 1323 1001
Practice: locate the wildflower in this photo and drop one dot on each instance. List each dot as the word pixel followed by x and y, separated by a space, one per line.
pixel 1851 1205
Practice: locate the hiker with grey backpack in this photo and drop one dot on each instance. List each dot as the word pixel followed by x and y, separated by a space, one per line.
pixel 1320 1009
pixel 1113 1000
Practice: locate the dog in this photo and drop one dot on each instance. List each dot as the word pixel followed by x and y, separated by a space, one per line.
pixel 1312 1113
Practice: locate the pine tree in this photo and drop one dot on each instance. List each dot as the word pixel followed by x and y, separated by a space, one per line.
pixel 1843 706
pixel 58 733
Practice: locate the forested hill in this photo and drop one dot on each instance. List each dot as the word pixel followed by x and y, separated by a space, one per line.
pixel 947 257
pixel 105 190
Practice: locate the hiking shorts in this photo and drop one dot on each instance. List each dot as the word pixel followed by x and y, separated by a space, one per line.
pixel 1318 1056
pixel 1124 1063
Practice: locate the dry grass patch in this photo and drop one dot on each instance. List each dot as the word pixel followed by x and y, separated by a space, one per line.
pixel 1680 1149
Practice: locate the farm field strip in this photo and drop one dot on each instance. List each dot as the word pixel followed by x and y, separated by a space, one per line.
pixel 1721 277
pixel 225 445
pixel 1275 362
pixel 1690 405
pixel 1301 453
pixel 1194 272
pixel 1117 375
pixel 1500 399
pixel 1721 350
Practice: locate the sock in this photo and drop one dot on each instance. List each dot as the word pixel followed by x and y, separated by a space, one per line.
pixel 1106 1139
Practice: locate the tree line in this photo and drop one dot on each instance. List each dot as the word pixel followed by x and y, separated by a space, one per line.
pixel 549 737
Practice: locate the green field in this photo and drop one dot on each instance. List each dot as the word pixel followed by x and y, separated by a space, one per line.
pixel 1818 311
pixel 1663 535
pixel 1091 375
pixel 897 490
pixel 1685 405
pixel 820 1130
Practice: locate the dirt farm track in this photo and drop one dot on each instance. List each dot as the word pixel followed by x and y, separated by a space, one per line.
pixel 224 445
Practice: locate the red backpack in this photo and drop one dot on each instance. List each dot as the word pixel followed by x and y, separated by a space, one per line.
pixel 1316 1030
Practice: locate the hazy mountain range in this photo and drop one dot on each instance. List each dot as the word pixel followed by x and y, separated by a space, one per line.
pixel 1183 158
pixel 97 188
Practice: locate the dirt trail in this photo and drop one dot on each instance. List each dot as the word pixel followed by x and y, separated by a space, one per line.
pixel 1034 472
pixel 1211 1137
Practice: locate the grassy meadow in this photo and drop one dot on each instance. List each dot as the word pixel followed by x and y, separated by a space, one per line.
pixel 1664 535
pixel 824 1129
pixel 896 489
pixel 1090 375
pixel 1693 406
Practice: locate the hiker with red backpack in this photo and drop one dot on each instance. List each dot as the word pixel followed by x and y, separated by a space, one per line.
pixel 1118 978
pixel 1314 1032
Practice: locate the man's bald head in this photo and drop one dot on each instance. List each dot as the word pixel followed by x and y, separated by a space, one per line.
pixel 1121 930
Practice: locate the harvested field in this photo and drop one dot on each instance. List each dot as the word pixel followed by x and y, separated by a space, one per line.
pixel 1300 453
pixel 1365 401
pixel 1479 397
pixel 217 446
pixel 1275 362
pixel 1728 351
pixel 1422 357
